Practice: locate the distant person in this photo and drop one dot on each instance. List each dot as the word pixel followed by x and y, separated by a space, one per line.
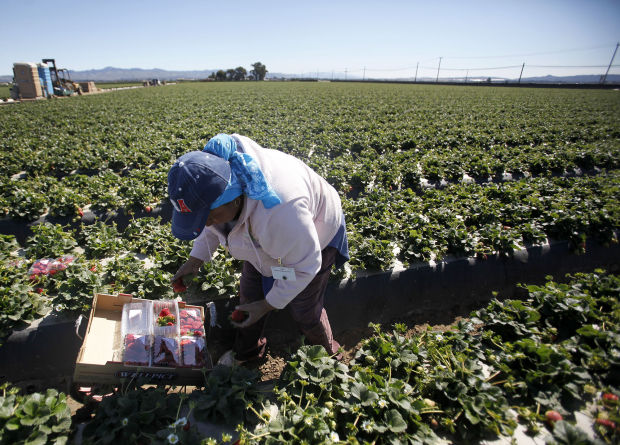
pixel 275 213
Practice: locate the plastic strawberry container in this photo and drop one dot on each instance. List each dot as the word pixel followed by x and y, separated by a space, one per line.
pixel 194 352
pixel 136 333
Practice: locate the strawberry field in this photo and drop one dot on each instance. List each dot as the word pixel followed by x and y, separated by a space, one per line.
pixel 426 173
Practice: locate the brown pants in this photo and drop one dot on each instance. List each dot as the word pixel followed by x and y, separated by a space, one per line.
pixel 306 309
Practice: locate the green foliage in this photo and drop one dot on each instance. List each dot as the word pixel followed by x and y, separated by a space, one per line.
pixel 149 415
pixel 49 241
pixel 38 418
pixel 479 380
pixel 373 142
pixel 100 239
pixel 226 395
pixel 19 300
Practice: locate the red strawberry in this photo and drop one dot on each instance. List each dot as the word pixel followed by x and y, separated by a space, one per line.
pixel 610 397
pixel 186 426
pixel 39 290
pixel 148 209
pixel 179 286
pixel 93 269
pixel 80 211
pixel 553 416
pixel 238 316
pixel 606 422
pixel 164 312
pixel 170 323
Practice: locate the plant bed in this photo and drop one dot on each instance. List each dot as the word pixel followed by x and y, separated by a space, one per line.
pixel 490 376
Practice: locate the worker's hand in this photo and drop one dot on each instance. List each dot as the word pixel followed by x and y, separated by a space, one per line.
pixel 255 310
pixel 191 266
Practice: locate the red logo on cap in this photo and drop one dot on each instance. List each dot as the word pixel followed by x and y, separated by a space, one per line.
pixel 183 207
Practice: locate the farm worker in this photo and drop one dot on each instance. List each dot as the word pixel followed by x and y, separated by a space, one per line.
pixel 275 213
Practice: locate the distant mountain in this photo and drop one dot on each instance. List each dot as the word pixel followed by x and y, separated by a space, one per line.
pixel 588 78
pixel 112 74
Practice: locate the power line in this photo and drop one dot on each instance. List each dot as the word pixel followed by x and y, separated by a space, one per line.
pixel 533 54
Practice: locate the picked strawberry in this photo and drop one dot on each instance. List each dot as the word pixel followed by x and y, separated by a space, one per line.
pixel 238 316
pixel 165 352
pixel 553 416
pixel 193 352
pixel 136 350
pixel 164 312
pixel 178 285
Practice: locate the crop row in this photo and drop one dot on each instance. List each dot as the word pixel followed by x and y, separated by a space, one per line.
pixel 466 220
pixel 530 364
pixel 374 143
pixel 140 260
pixel 459 220
pixel 352 134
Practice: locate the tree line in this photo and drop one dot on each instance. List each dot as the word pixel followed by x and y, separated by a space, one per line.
pixel 240 73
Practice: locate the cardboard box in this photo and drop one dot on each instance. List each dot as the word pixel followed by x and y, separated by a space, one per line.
pixel 99 359
pixel 88 87
pixel 26 76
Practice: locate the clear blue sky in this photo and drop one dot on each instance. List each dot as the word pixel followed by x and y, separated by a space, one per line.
pixel 388 38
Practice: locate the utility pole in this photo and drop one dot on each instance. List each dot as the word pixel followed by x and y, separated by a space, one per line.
pixel 466 75
pixel 415 79
pixel 437 78
pixel 610 63
pixel 345 74
pixel 522 66
pixel 332 74
pixel 364 75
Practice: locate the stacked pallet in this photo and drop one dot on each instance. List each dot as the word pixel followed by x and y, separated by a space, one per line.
pixel 88 87
pixel 26 76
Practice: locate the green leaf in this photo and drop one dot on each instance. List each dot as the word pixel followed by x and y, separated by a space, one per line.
pixel 395 421
pixel 36 438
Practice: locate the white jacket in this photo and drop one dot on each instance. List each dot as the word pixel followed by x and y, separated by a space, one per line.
pixel 294 231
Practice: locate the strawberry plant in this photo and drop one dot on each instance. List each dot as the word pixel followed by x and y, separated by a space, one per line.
pixel 150 415
pixel 76 288
pixel 33 418
pixel 507 366
pixel 100 239
pixel 149 236
pixel 236 386
pixel 49 241
pixel 130 275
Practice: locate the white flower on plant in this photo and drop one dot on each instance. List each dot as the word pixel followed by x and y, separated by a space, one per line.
pixel 367 426
pixel 334 437
pixel 125 421
pixel 180 422
pixel 173 438
pixel 382 403
pixel 308 421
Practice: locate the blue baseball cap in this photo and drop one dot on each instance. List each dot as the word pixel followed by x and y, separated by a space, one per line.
pixel 195 181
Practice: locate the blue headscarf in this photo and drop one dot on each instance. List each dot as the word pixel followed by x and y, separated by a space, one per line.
pixel 246 176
